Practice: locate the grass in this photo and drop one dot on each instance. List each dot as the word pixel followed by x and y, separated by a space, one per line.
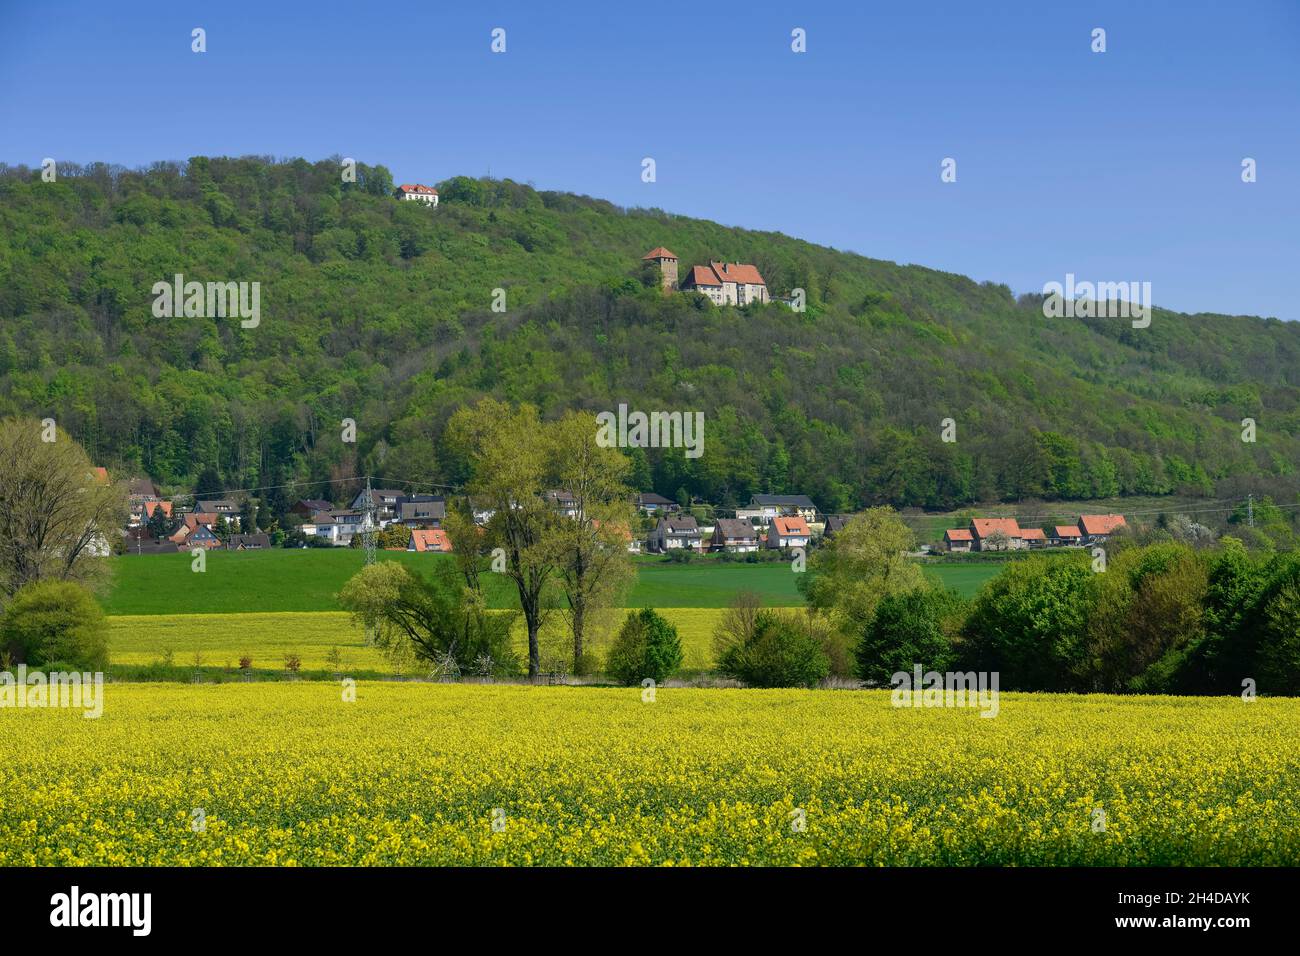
pixel 418 773
pixel 283 580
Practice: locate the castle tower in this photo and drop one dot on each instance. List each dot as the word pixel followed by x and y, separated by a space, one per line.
pixel 667 263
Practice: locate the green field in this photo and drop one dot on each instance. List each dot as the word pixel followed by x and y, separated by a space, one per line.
pixel 307 580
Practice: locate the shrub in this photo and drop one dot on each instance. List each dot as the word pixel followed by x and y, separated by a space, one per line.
pixel 645 646
pixel 918 627
pixel 781 651
pixel 55 622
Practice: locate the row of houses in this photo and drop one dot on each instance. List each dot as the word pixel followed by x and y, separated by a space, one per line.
pixel 1005 534
pixel 735 535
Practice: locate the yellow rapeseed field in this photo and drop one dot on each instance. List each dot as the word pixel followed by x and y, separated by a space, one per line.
pixel 417 773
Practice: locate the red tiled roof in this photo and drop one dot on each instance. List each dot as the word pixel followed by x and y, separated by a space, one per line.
pixel 659 252
pixel 151 506
pixel 101 475
pixel 1100 524
pixel 1067 531
pixel 1033 534
pixel 984 527
pixel 741 272
pixel 791 526
pixel 434 539
pixel 417 188
pixel 702 275
pixel 957 534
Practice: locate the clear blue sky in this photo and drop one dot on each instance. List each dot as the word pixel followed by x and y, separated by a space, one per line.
pixel 1114 166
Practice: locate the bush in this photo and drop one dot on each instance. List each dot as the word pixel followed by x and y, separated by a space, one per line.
pixel 918 627
pixel 780 651
pixel 646 646
pixel 51 622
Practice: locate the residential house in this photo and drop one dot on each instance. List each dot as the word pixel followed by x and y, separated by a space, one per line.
pixel 218 506
pixel 564 502
pixel 1095 529
pixel 766 507
pixel 417 192
pixel 735 535
pixel 306 507
pixel 834 524
pixel 387 502
pixel 429 540
pixel 249 542
pixel 201 537
pixel 421 511
pixel 652 504
pixel 958 539
pixel 1067 535
pixel 1034 537
pixel 672 534
pixel 734 283
pixel 982 528
pixel 336 527
pixel 792 532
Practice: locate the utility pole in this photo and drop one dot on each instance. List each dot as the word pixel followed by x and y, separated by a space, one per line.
pixel 1250 510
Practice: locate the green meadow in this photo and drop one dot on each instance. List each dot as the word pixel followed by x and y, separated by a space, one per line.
pixel 284 580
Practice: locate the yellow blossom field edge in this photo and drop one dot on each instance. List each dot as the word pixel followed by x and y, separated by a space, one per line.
pixel 220 639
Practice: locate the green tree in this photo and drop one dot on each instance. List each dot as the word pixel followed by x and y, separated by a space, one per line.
pixel 781 651
pixel 55 623
pixel 646 647
pixel 865 561
pixel 56 517
pixel 914 627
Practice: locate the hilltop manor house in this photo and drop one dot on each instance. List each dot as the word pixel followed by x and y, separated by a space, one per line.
pixel 725 283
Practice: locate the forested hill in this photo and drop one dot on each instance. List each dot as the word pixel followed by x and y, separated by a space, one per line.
pixel 380 311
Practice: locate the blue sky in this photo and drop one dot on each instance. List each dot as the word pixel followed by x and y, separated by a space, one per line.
pixel 1117 166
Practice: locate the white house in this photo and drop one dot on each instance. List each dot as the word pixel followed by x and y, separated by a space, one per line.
pixel 672 534
pixel 416 192
pixel 788 533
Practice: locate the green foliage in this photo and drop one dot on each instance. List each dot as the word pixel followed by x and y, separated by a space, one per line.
pixel 1029 622
pixel 915 627
pixel 646 646
pixel 55 622
pixel 780 651
pixel 384 305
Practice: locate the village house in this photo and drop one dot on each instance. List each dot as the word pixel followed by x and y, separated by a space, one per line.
pixel 764 508
pixel 421 511
pixel 218 506
pixel 386 502
pixel 834 524
pixel 429 540
pixel 672 534
pixel 201 537
pixel 417 192
pixel 982 528
pixel 564 502
pixel 734 535
pixel 1034 537
pixel 652 504
pixel 1067 535
pixel 958 539
pixel 306 507
pixel 790 532
pixel 1094 529
pixel 249 542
